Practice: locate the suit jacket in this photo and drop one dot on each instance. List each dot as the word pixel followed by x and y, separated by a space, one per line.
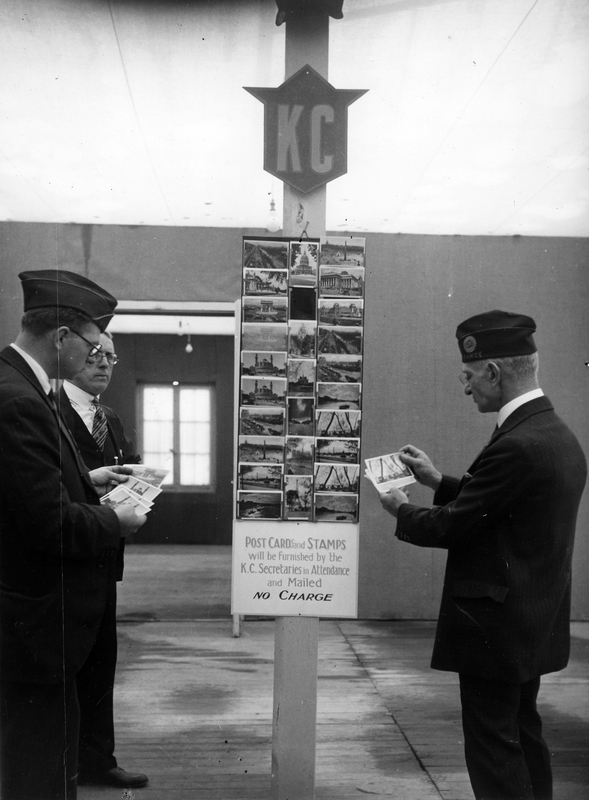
pixel 509 528
pixel 58 543
pixel 118 449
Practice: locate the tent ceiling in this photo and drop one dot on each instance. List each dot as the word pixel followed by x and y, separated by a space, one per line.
pixel 130 112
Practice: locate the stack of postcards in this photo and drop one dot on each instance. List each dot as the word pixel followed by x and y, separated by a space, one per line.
pixel 139 491
pixel 388 472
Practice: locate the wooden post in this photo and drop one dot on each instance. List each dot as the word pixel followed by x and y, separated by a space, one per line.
pixel 296 638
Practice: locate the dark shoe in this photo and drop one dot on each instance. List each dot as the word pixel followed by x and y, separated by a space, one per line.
pixel 114 777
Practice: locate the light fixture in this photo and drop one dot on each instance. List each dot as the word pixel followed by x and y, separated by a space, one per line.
pixel 273 223
pixel 189 347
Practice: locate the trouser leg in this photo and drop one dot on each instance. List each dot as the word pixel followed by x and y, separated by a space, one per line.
pixel 536 752
pixel 39 727
pixel 495 755
pixel 95 686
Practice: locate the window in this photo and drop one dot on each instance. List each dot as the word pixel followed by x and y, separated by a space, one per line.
pixel 177 433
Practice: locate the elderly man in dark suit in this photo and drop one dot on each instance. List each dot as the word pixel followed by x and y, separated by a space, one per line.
pixel 99 434
pixel 508 526
pixel 58 543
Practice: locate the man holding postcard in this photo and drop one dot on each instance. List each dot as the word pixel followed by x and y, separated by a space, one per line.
pixel 58 542
pixel 99 434
pixel 508 526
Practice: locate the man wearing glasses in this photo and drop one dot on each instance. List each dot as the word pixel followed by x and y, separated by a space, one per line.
pixel 508 526
pixel 58 542
pixel 99 434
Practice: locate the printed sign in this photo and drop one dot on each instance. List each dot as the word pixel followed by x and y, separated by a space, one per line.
pixel 295 569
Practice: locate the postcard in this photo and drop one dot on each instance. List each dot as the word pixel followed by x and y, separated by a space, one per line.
pixel 338 451
pixel 339 395
pixel 336 282
pixel 263 391
pixel 301 377
pixel 298 497
pixel 152 475
pixel 120 496
pixel 260 476
pixel 340 250
pixel 265 309
pixel 336 508
pixel 339 423
pixel 301 340
pixel 388 472
pixel 261 421
pixel 264 336
pixel 299 455
pixel 339 368
pixel 339 340
pixel 265 254
pixel 259 505
pixel 337 478
pixel 269 365
pixel 304 258
pixel 265 282
pixel 264 449
pixel 341 312
pixel 145 490
pixel 300 416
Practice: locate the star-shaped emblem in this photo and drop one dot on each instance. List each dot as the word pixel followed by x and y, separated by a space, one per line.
pixel 306 129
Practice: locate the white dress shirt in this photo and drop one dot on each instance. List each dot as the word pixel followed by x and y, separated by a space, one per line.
pixel 82 402
pixel 510 407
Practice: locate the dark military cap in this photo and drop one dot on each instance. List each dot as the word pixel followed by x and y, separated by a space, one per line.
pixel 48 288
pixel 496 334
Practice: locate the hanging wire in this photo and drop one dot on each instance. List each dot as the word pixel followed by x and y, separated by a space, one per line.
pixel 467 104
pixel 134 107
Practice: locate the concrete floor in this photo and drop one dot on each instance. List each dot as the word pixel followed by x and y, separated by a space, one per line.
pixel 194 704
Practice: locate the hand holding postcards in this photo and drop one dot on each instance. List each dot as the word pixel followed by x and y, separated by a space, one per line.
pixel 388 472
pixel 139 491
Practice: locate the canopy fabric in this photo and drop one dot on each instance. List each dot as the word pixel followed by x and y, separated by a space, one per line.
pixel 134 112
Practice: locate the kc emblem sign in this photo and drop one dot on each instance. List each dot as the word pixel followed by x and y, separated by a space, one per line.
pixel 306 129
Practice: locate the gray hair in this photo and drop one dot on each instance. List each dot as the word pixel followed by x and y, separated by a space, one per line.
pixel 516 368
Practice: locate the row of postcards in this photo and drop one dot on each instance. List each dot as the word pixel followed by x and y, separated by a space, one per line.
pixel 300 379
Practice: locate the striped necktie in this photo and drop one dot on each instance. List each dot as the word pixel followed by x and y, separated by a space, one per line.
pixel 99 426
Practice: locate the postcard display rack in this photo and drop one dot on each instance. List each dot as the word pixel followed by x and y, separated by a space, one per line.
pixel 297 445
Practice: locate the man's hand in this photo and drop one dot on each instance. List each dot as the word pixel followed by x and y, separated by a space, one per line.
pixel 424 470
pixel 392 499
pixel 106 478
pixel 129 520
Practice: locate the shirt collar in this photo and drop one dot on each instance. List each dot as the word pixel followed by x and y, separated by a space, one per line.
pixel 40 373
pixel 77 395
pixel 510 407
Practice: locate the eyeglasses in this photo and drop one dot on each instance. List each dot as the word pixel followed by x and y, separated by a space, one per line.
pixel 111 358
pixel 95 349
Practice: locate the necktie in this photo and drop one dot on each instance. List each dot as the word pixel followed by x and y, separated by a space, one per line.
pixel 99 426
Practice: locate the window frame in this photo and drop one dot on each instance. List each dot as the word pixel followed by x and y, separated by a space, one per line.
pixel 177 487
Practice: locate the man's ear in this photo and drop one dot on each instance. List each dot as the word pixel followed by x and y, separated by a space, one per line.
pixel 494 372
pixel 59 335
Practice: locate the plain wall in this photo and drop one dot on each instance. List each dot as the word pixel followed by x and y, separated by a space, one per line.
pixel 418 288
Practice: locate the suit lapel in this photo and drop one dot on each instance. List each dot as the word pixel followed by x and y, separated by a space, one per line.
pixel 14 360
pixel 520 414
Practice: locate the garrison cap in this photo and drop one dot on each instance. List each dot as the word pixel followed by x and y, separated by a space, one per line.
pixel 48 288
pixel 496 334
